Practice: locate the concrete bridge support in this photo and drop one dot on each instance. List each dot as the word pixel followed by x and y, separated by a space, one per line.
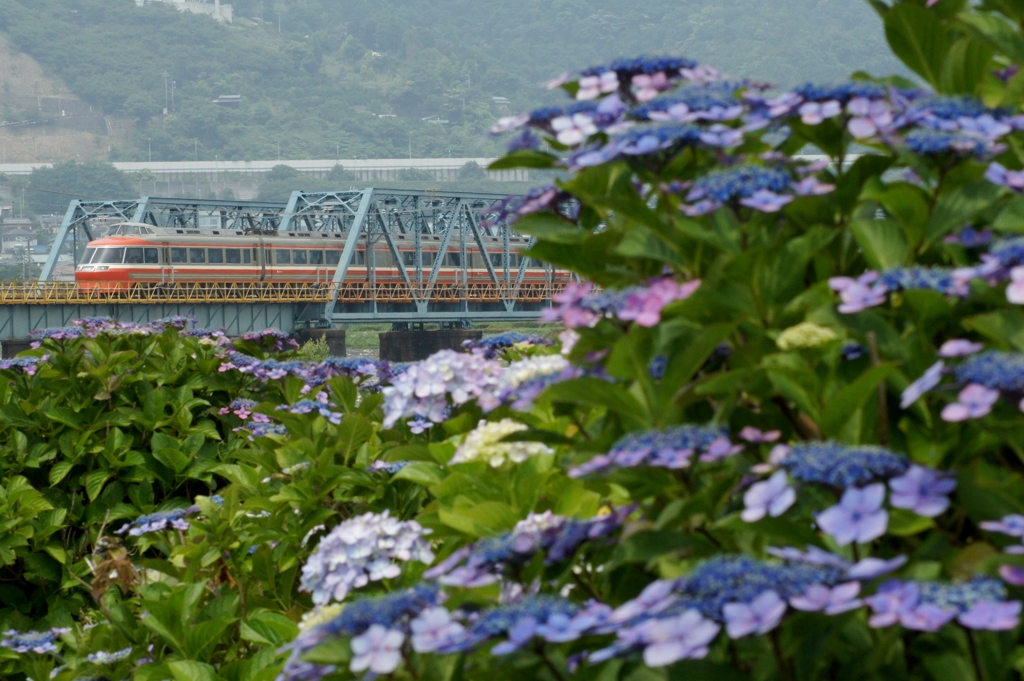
pixel 411 346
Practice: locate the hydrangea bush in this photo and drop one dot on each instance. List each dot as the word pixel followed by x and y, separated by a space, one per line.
pixel 779 437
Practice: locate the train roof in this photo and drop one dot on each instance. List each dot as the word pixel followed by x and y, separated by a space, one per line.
pixel 138 233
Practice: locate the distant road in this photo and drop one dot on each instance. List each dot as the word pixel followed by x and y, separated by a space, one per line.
pixel 365 169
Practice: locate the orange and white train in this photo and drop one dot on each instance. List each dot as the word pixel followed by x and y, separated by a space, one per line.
pixel 132 254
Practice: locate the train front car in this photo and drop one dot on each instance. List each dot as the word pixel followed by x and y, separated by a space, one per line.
pixel 127 254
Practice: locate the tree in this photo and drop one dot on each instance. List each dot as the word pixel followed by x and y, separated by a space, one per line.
pixel 141 106
pixel 51 188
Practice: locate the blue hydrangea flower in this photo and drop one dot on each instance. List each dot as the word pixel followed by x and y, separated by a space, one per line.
pixel 841 93
pixel 931 278
pixel 740 579
pixel 32 641
pixel 928 142
pixel 520 622
pixel 389 467
pixel 26 365
pixel 842 466
pixel 312 406
pixel 672 448
pixel 556 537
pixel 993 369
pixel 159 522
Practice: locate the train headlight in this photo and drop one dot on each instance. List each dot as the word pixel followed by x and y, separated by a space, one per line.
pixel 102 268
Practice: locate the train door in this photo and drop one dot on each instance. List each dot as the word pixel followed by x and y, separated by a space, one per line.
pixel 166 267
pixel 261 254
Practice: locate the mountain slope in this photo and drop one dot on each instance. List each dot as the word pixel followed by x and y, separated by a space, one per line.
pixel 316 88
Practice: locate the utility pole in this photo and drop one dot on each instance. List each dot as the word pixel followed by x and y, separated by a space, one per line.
pixel 174 84
pixel 166 100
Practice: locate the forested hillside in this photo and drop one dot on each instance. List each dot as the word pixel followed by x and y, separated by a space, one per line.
pixel 317 87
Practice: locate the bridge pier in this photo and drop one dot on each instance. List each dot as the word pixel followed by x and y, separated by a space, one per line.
pixel 11 347
pixel 411 346
pixel 335 339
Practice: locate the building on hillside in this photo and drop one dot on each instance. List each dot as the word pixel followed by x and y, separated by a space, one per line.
pixel 228 100
pixel 211 8
pixel 17 240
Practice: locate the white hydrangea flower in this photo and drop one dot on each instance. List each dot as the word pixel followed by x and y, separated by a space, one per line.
pixel 484 444
pixel 362 550
pixel 519 373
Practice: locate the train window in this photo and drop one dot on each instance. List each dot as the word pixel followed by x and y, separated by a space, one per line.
pixel 316 257
pixel 152 256
pixel 360 258
pixel 453 259
pixel 233 256
pixel 245 256
pixel 133 256
pixel 333 257
pixel 197 256
pixel 298 257
pixel 283 257
pixel 87 256
pixel 179 255
pixel 215 256
pixel 409 258
pixel 109 256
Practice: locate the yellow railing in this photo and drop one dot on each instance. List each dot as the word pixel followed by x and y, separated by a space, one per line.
pixel 69 292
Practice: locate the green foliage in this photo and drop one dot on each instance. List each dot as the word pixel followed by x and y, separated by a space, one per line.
pixel 50 188
pixel 315 350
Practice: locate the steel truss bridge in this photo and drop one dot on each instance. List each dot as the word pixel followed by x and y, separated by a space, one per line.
pixel 450 222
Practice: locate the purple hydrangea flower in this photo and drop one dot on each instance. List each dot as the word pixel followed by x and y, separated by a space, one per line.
pixel 959 347
pixel 992 615
pixel 1012 574
pixel 922 490
pixel 832 601
pixel 433 629
pixel 870 568
pixel 893 600
pixel 928 380
pixel 769 497
pixel 655 597
pixel 378 650
pixel 1011 525
pixel 973 402
pixel 751 434
pixel 757 617
pixel 670 639
pixel 858 517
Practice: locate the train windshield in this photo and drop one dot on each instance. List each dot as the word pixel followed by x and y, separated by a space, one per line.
pixel 87 256
pixel 110 255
